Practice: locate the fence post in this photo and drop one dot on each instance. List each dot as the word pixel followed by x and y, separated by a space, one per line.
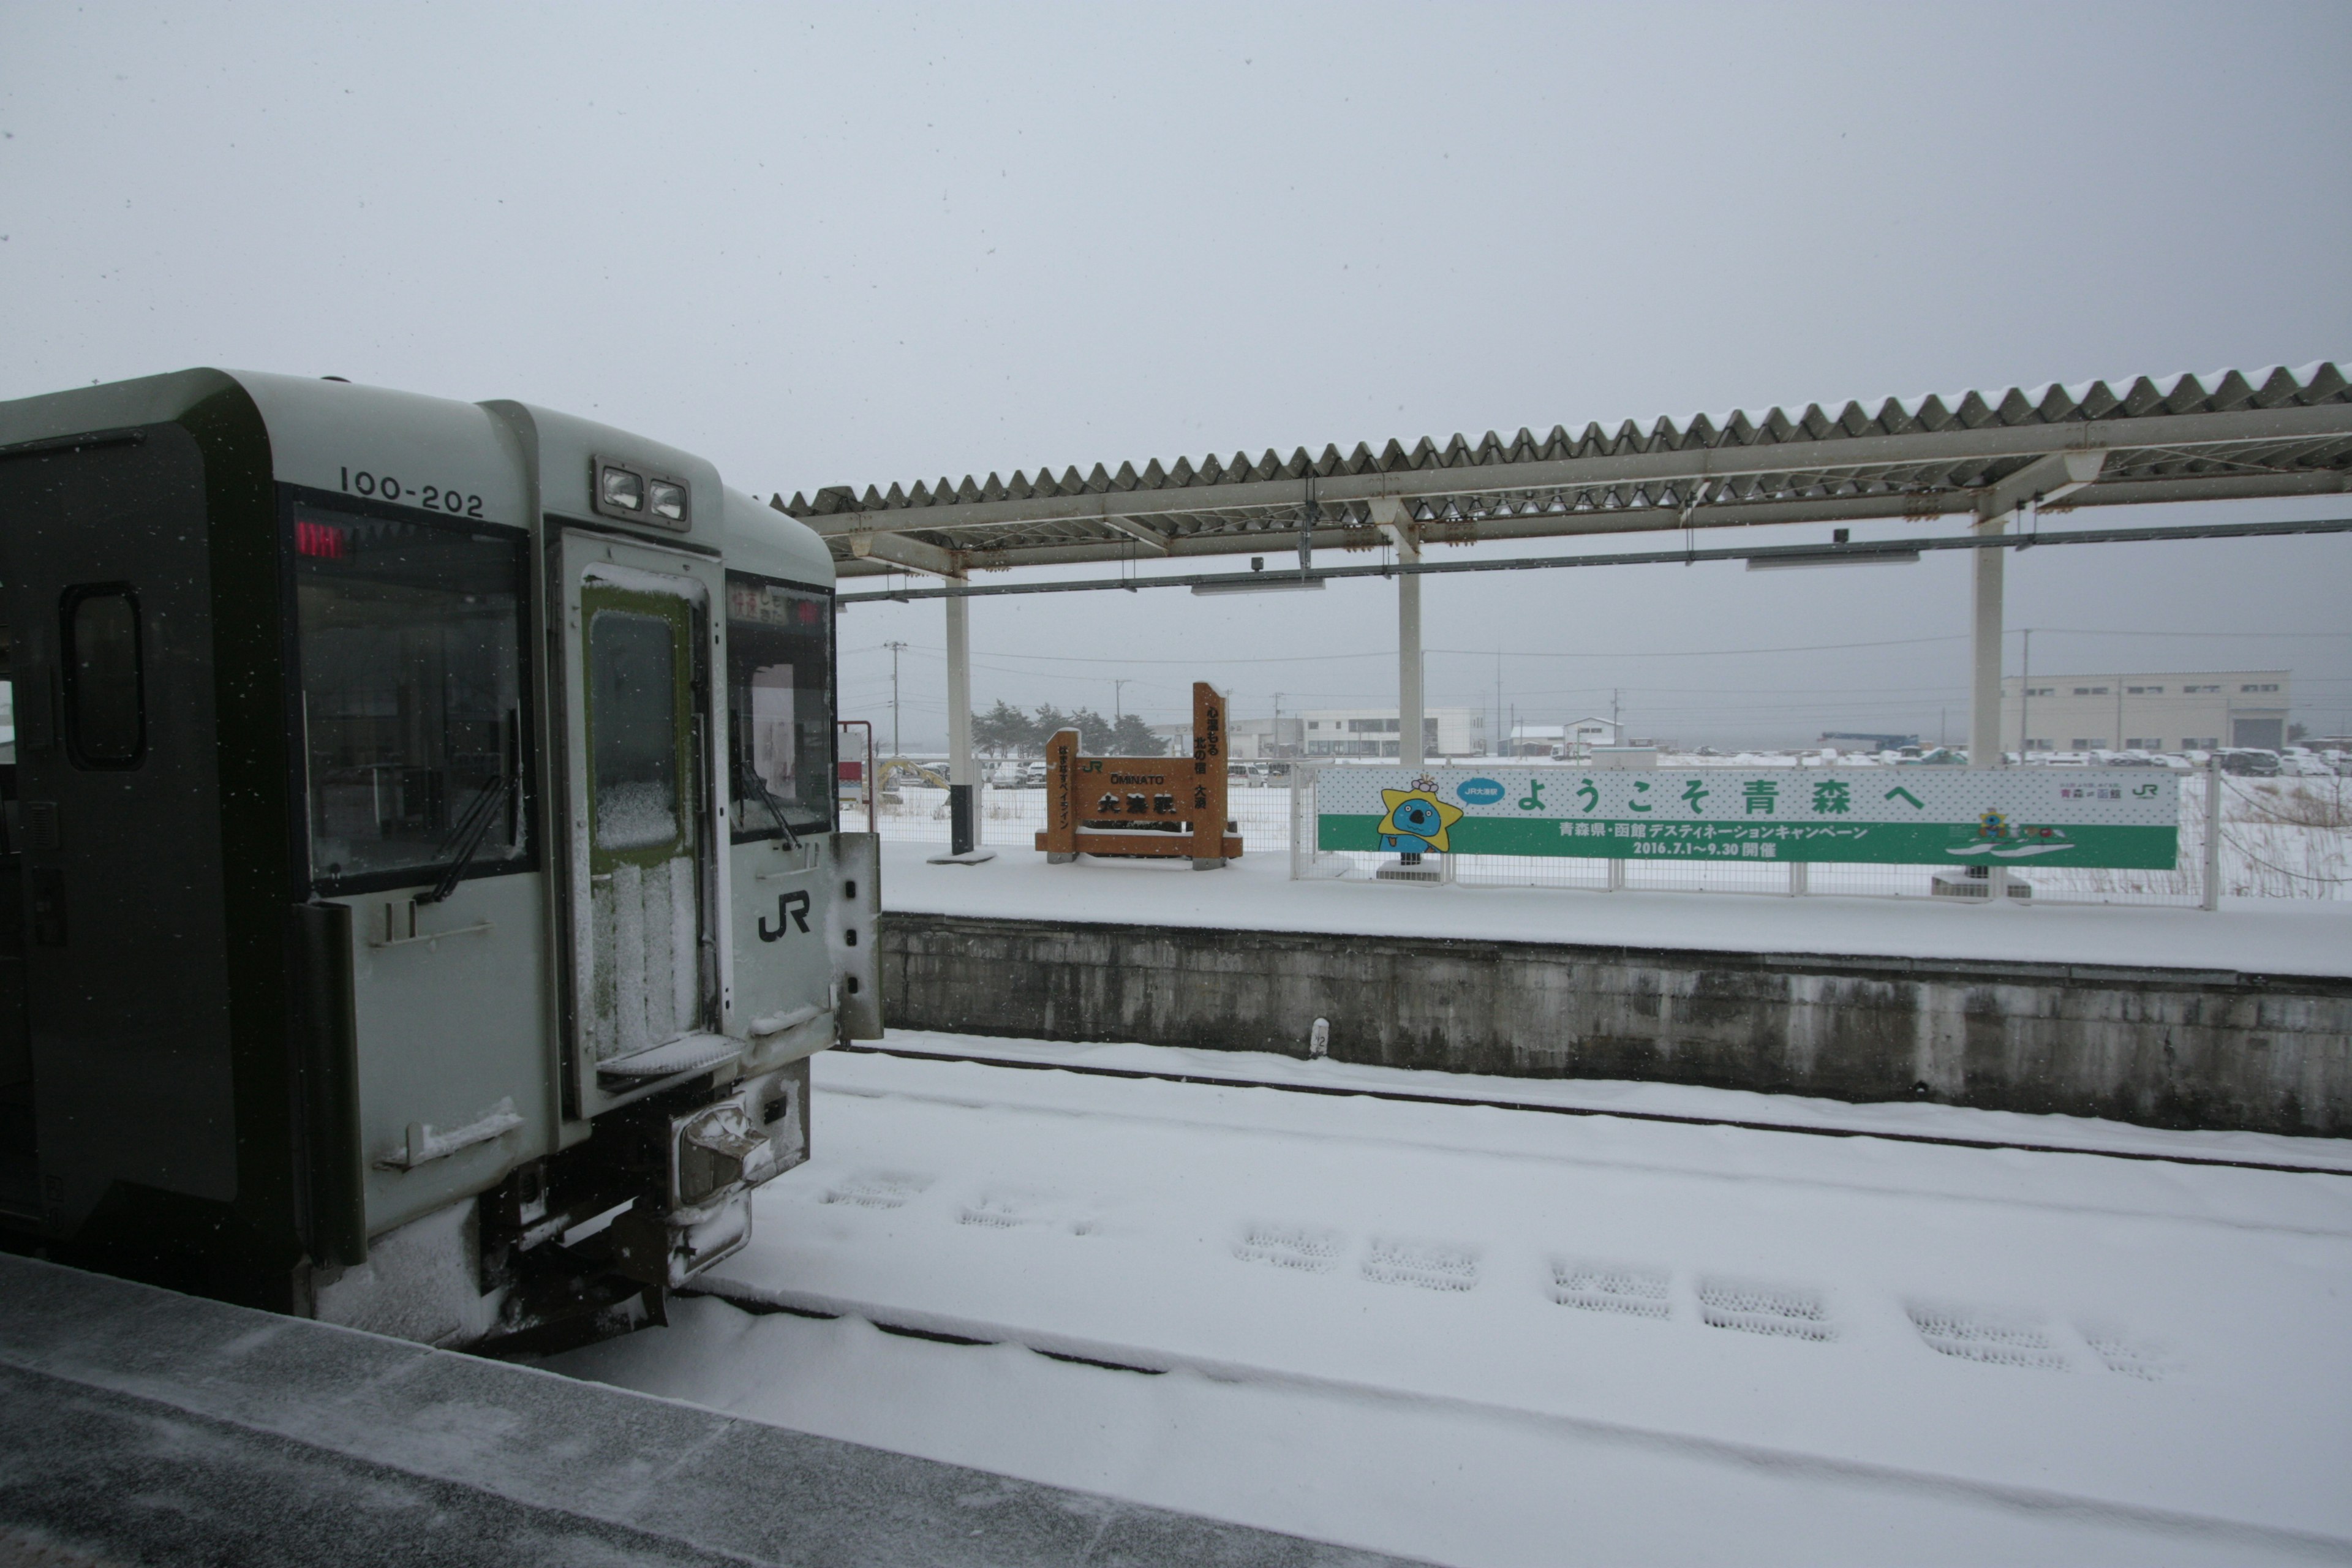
pixel 1300 852
pixel 2212 900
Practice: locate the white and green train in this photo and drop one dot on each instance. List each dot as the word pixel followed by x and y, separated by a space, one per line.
pixel 422 892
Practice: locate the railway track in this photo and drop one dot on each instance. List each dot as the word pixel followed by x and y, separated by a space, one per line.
pixel 1543 1107
pixel 1995 1352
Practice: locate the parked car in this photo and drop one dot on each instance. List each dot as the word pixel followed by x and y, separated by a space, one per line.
pixel 2249 761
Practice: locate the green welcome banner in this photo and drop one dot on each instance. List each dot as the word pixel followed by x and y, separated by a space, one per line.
pixel 2123 818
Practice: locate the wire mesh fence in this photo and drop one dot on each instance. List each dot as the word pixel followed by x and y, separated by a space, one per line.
pixel 2286 839
pixel 2281 838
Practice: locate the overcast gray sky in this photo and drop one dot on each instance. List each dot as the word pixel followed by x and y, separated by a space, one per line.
pixel 866 244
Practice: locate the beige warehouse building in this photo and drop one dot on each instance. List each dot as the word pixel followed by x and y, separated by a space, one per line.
pixel 2170 712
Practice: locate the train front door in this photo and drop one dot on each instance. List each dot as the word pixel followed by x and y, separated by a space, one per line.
pixel 646 962
pixel 114 1037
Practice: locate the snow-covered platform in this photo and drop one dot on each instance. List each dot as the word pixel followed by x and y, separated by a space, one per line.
pixel 2254 936
pixel 1487 1336
pixel 145 1427
pixel 2239 1019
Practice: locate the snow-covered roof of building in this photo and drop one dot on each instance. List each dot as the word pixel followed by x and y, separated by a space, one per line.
pixel 2221 436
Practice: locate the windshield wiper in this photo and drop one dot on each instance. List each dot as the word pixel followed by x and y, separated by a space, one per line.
pixel 776 809
pixel 472 830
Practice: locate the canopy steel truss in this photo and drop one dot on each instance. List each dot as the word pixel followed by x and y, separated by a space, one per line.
pixel 2228 436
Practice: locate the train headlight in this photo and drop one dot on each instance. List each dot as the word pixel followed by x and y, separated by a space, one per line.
pixel 620 490
pixel 669 500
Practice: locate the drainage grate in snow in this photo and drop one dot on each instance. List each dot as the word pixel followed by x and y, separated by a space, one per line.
pixel 1432 1265
pixel 1788 1312
pixel 1308 1248
pixel 2002 1337
pixel 1629 1288
pixel 877 1189
pixel 2124 1352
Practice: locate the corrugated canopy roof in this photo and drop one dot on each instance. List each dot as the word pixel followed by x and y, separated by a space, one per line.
pixel 2226 435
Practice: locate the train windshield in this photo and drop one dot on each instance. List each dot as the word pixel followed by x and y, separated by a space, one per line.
pixel 412 660
pixel 778 707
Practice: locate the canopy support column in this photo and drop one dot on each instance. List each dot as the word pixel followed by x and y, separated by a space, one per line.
pixel 960 767
pixel 1396 521
pixel 1984 649
pixel 963 776
pixel 2046 479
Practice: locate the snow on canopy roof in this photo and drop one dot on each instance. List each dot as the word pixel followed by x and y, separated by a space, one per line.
pixel 2228 434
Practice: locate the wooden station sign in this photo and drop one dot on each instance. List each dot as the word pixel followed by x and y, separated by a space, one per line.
pixel 1173 806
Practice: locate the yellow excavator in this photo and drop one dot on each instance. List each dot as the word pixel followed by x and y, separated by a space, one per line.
pixel 888 775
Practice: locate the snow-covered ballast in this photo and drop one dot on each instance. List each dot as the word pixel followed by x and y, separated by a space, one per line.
pixel 422 890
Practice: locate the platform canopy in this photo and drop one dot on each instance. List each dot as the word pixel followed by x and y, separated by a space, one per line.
pixel 2227 436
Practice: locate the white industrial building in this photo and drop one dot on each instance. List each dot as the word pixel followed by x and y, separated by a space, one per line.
pixel 1254 740
pixel 1372 732
pixel 1587 733
pixel 2167 712
pixel 1246 740
pixel 1570 740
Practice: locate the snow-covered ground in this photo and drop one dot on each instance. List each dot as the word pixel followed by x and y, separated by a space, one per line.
pixel 1479 1335
pixel 2263 936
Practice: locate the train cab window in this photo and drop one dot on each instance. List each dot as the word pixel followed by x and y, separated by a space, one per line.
pixel 778 707
pixel 106 721
pixel 411 640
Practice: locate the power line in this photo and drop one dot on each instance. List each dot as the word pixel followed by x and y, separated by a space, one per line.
pixel 1614 653
pixel 896 649
pixel 1481 653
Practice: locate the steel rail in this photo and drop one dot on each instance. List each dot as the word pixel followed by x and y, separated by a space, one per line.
pixel 1868 551
pixel 1410 1098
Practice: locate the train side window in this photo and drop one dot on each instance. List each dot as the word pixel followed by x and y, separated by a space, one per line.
pixel 106 718
pixel 778 707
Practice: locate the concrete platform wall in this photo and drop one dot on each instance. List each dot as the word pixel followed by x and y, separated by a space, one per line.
pixel 2161 1047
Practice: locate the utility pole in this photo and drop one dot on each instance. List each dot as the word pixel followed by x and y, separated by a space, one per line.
pixel 894 648
pixel 1496 749
pixel 2025 695
pixel 1118 688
